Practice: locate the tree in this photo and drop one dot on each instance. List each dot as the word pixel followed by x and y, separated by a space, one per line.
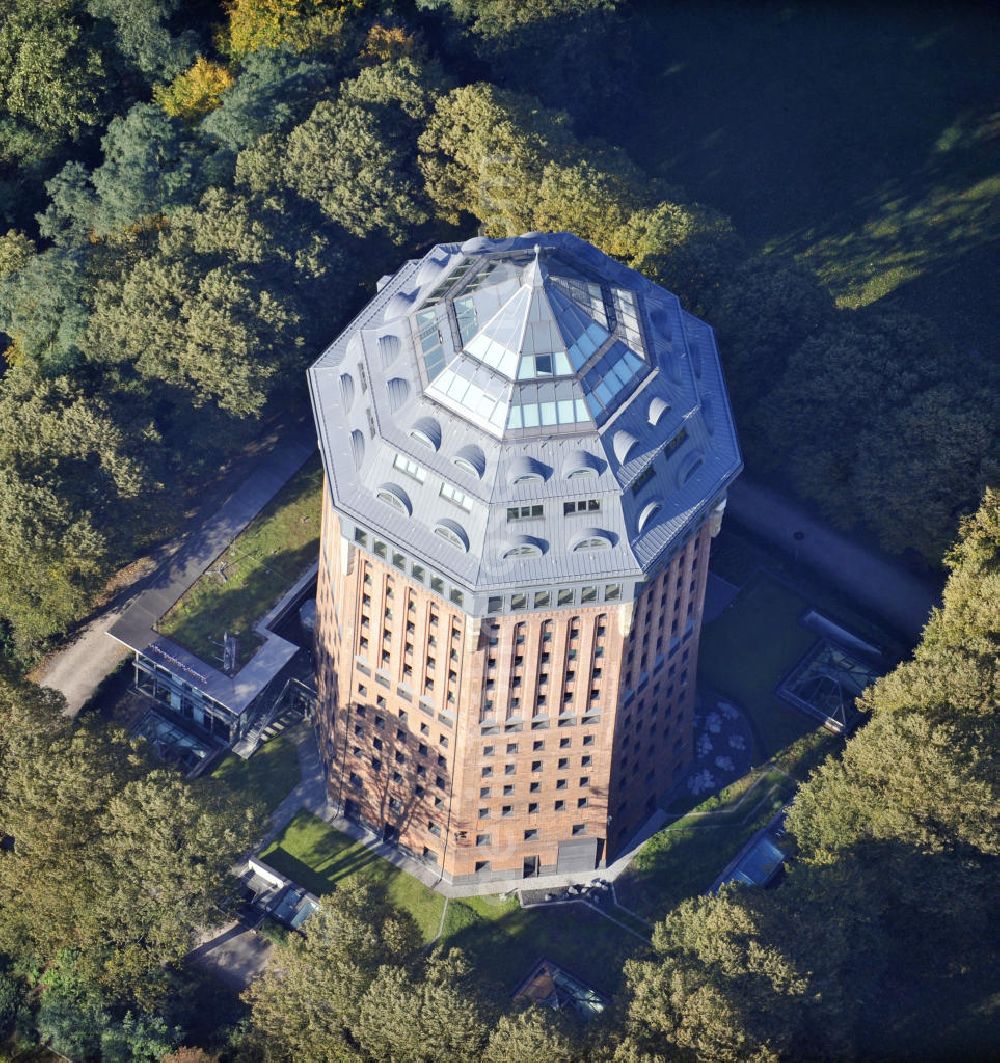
pixel 111 864
pixel 167 847
pixel 42 305
pixel 70 1015
pixel 300 24
pixel 498 18
pixel 850 400
pixel 355 157
pixel 307 1003
pixel 216 309
pixel 926 464
pixel 483 152
pixel 429 1017
pixel 50 76
pixel 69 498
pixel 534 1035
pixel 274 90
pixel 688 248
pixel 143 37
pixel 923 771
pixel 137 1038
pixel 151 166
pixel 765 309
pixel 195 92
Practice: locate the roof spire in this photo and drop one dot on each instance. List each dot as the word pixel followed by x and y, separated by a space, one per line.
pixel 535 276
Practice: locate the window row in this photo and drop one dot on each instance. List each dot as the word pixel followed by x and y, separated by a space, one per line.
pixel 564 596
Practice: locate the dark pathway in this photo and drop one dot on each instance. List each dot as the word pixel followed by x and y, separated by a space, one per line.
pixel 880 584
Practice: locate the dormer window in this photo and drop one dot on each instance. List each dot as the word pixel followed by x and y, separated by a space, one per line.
pixel 592 542
pixel 522 550
pixel 452 533
pixel 395 497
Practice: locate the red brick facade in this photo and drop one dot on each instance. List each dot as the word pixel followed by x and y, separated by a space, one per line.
pixel 507 745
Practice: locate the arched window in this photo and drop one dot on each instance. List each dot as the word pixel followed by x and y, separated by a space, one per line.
pixel 658 406
pixel 394 496
pixel 427 431
pixel 452 533
pixel 399 392
pixel 591 542
pixel 358 447
pixel 470 458
pixel 522 550
pixel 649 511
pixel 580 473
pixel 347 390
pixel 529 478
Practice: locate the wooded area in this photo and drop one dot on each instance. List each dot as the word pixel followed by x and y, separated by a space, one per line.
pixel 195 199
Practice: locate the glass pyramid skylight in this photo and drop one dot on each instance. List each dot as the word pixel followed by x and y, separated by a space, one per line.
pixel 533 356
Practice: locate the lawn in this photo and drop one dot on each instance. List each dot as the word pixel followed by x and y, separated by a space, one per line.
pixel 859 138
pixel 267 777
pixel 261 564
pixel 504 941
pixel 746 652
pixel 684 859
pixel 317 856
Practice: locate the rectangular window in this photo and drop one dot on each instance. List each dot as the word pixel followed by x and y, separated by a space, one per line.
pixel 459 498
pixel 588 595
pixel 644 477
pixel 613 592
pixel 582 505
pixel 494 605
pixel 518 601
pixel 542 600
pixel 516 513
pixel 565 596
pixel 579 828
pixel 531 833
pixel 409 467
pixel 483 840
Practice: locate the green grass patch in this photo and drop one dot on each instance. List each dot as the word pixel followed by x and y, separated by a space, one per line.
pixel 746 652
pixel 504 941
pixel 267 777
pixel 261 564
pixel 684 859
pixel 315 855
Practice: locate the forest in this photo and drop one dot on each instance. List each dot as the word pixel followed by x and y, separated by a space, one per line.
pixel 194 198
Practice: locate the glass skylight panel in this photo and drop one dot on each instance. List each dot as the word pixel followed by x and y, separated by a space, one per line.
pixel 619 369
pixel 430 342
pixel 468 319
pixel 586 294
pixel 547 406
pixel 628 316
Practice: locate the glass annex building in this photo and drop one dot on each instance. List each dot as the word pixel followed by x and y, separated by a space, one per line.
pixel 527 449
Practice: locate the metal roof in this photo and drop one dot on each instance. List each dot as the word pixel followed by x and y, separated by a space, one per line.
pixel 491 385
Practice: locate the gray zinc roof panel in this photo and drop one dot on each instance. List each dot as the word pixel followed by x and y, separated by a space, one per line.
pixel 683 377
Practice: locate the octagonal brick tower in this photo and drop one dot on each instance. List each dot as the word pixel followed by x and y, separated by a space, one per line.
pixel 527 448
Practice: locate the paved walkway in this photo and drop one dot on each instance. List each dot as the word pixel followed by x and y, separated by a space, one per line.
pixel 77 669
pixel 876 581
pixel 233 954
